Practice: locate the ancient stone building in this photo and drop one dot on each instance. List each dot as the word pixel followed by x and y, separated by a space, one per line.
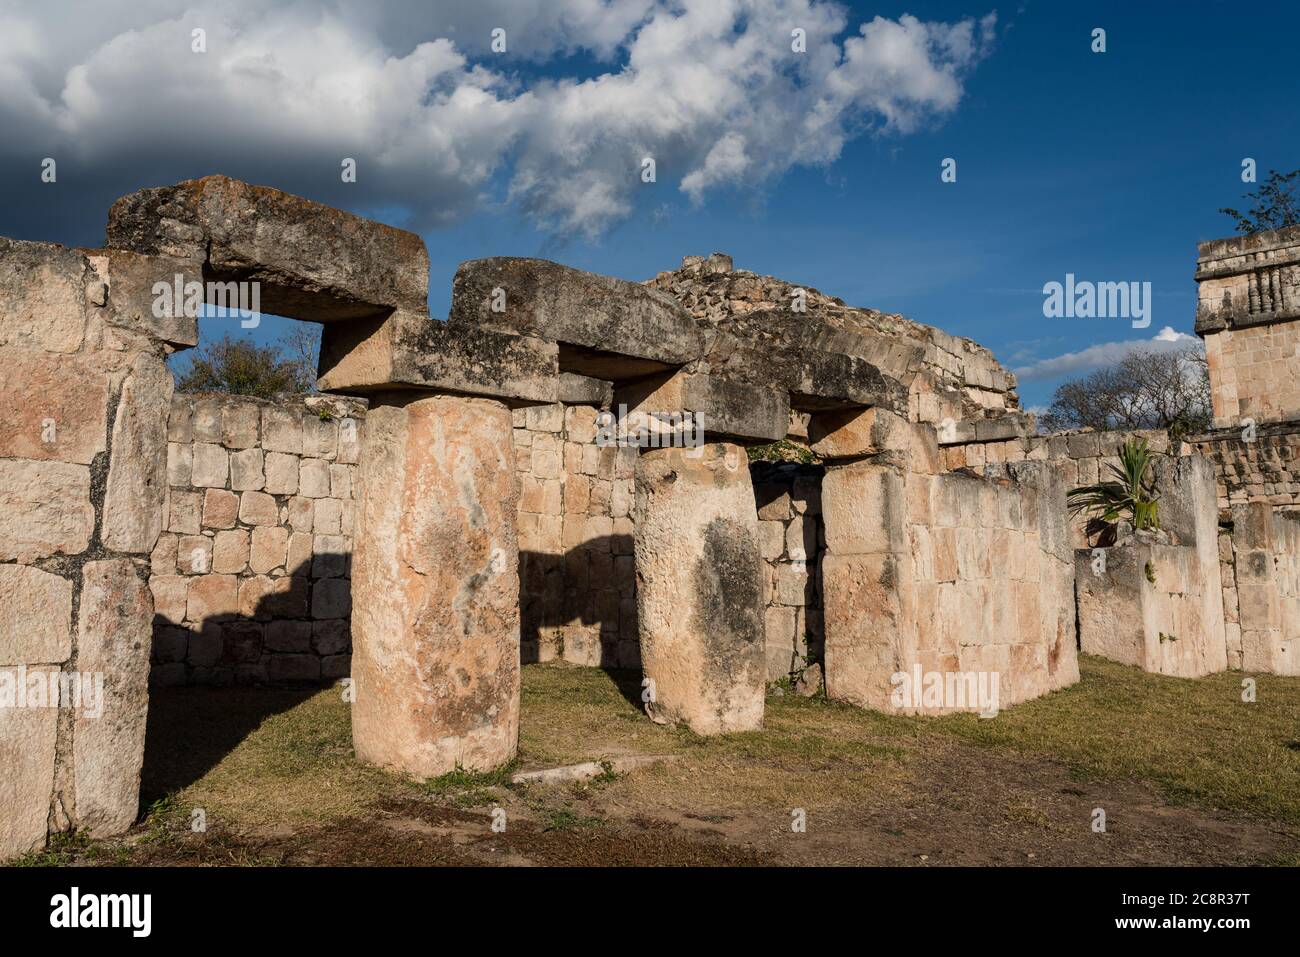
pixel 558 470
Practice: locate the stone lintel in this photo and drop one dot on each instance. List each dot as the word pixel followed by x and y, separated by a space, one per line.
pixel 408 350
pixel 610 317
pixel 313 262
pixel 854 433
pixel 574 389
pixel 816 379
pixel 1012 425
pixel 721 407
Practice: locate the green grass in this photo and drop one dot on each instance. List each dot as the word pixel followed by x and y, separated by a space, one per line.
pixel 1194 739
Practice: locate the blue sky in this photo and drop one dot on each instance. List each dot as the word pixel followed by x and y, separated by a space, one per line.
pixel 1111 166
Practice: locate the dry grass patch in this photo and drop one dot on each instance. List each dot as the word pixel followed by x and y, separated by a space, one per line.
pixel 1195 740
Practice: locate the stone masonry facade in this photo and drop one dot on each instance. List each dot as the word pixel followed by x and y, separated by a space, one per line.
pixel 251 575
pixel 577 572
pixel 82 486
pixel 792 542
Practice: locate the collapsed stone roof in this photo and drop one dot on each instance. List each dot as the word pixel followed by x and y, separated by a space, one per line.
pixel 757 309
pixel 707 338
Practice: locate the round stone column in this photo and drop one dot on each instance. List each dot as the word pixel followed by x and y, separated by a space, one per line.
pixel 435 587
pixel 700 588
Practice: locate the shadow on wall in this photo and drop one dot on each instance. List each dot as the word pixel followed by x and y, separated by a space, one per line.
pixel 259 629
pixel 280 648
pixel 580 605
pixel 792 541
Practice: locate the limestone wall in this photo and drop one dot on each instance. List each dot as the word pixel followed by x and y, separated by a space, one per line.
pixel 1081 457
pixel 251 575
pixel 82 480
pixel 1256 373
pixel 949 573
pixel 1260 555
pixel 1155 598
pixel 1248 304
pixel 577 570
pixel 1264 468
pixel 791 542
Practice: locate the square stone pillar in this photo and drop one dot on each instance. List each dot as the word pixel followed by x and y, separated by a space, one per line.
pixel 700 587
pixel 82 483
pixel 435 587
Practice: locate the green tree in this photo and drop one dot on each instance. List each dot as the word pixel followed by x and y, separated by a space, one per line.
pixel 241 367
pixel 1276 205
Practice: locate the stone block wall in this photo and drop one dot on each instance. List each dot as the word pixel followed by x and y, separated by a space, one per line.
pixel 1082 458
pixel 1256 373
pixel 251 574
pixel 946 573
pixel 1155 599
pixel 1260 562
pixel 791 542
pixel 577 570
pixel 1248 304
pixel 82 480
pixel 1265 468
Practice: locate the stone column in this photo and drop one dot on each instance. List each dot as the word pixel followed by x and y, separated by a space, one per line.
pixel 435 587
pixel 700 587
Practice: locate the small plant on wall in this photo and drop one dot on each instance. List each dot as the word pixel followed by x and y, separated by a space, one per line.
pixel 1130 496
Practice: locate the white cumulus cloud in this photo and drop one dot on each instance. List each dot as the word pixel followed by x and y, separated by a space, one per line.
pixel 1103 354
pixel 440 125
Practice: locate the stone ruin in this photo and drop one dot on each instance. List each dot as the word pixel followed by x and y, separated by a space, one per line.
pixel 464 495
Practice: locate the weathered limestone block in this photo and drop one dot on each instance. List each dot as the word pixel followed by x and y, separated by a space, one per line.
pixel 851 433
pixel 137 471
pixel 719 409
pixel 699 587
pixel 113 639
pixel 45 295
pixel 412 350
pixel 314 262
pixel 209 466
pixel 27 751
pixel 1265 547
pixel 638 329
pixel 35 616
pixel 131 277
pixel 44 509
pixel 435 617
pixel 54 406
pixel 1155 600
pixel 574 389
pixel 815 378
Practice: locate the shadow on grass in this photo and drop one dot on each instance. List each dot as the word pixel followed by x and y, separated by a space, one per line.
pixel 190 730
